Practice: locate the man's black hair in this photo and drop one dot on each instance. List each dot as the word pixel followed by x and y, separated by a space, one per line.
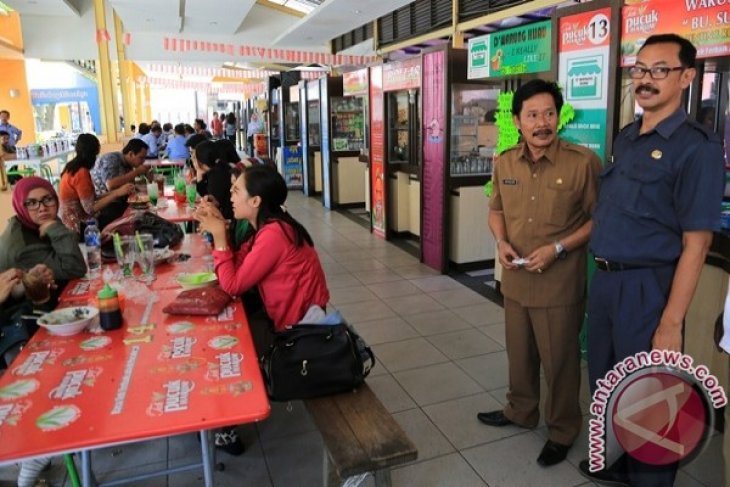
pixel 687 50
pixel 536 87
pixel 135 146
pixel 195 140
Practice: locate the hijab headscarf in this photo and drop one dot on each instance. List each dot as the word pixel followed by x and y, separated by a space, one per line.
pixel 20 194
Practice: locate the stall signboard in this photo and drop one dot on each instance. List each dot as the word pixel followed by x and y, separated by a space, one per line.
pixel 706 23
pixel 355 83
pixel 524 49
pixel 402 75
pixel 583 66
pixel 434 160
pixel 293 166
pixel 378 178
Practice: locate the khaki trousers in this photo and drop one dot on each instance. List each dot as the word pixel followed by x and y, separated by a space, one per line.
pixel 548 336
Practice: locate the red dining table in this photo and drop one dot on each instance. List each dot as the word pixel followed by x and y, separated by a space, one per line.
pixel 159 375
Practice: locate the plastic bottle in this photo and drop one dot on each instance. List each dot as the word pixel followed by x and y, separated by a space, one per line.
pixel 110 317
pixel 92 238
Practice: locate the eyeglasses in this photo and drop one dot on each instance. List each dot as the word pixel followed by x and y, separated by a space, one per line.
pixel 657 72
pixel 35 204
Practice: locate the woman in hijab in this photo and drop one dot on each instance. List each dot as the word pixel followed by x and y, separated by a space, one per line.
pixel 78 200
pixel 35 238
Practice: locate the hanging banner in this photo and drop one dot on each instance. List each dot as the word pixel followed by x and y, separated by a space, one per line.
pixel 706 23
pixel 583 68
pixel 377 153
pixel 402 75
pixel 175 44
pixel 524 49
pixel 433 202
pixel 355 83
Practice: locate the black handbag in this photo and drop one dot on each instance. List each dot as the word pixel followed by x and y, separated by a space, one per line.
pixel 309 361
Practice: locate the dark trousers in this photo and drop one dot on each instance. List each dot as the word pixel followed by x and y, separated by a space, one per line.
pixel 548 336
pixel 624 309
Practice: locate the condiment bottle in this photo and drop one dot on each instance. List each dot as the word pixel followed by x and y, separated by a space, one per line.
pixel 110 317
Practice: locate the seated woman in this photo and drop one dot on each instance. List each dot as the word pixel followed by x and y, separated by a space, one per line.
pixel 36 239
pixel 279 256
pixel 76 191
pixel 213 176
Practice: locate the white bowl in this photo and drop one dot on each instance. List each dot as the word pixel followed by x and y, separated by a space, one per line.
pixel 68 321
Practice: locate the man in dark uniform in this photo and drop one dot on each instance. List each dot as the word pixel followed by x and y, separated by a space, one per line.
pixel 544 192
pixel 659 202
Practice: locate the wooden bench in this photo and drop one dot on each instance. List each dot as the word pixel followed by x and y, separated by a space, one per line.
pixel 360 436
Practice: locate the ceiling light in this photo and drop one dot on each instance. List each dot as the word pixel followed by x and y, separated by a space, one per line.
pixel 357 11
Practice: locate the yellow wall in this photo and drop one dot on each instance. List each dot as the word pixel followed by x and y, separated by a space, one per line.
pixel 20 108
pixel 10 32
pixel 13 78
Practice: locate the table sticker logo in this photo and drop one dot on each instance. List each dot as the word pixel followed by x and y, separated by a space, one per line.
pixel 35 361
pixel 227 366
pixel 180 327
pixel 70 386
pixel 95 343
pixel 19 388
pixel 58 417
pixel 10 414
pixel 223 342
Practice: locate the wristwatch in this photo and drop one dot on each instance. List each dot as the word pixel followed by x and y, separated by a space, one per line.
pixel 560 251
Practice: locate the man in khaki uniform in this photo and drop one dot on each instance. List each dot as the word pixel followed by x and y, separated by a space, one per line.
pixel 540 214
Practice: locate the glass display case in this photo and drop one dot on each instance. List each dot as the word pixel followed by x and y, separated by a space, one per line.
pixel 291 122
pixel 313 123
pixel 348 124
pixel 403 128
pixel 473 131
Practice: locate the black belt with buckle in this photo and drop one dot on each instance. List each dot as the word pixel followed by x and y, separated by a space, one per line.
pixel 608 266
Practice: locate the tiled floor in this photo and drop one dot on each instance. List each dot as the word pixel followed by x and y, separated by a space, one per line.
pixel 440 348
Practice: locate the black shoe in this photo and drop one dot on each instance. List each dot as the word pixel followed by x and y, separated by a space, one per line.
pixel 494 418
pixel 607 476
pixel 552 454
pixel 227 439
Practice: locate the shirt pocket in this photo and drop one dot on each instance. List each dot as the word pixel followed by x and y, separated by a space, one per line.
pixel 647 190
pixel 561 202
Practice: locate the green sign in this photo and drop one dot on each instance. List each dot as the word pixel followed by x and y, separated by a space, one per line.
pixel 524 49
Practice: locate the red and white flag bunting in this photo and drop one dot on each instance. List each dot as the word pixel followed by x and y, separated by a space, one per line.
pixel 290 55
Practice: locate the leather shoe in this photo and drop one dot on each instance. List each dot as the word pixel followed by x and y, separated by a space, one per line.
pixel 552 453
pixel 494 418
pixel 607 476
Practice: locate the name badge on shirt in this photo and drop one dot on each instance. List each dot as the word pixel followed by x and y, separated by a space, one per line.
pixel 509 182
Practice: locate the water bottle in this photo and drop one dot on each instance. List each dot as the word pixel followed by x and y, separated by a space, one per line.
pixel 92 238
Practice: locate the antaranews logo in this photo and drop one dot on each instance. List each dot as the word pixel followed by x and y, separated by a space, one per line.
pixel 655 406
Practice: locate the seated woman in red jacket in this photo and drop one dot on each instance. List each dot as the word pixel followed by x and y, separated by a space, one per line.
pixel 279 257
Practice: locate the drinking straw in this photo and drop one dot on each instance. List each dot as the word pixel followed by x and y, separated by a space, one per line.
pixel 138 238
pixel 118 244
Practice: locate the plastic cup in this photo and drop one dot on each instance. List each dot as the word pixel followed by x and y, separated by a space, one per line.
pixel 127 256
pixel 160 180
pixel 191 193
pixel 145 256
pixel 153 193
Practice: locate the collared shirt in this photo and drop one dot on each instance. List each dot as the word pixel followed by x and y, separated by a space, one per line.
pixel 151 141
pixel 254 127
pixel 543 202
pixel 15 133
pixel 657 186
pixel 176 149
pixel 109 166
